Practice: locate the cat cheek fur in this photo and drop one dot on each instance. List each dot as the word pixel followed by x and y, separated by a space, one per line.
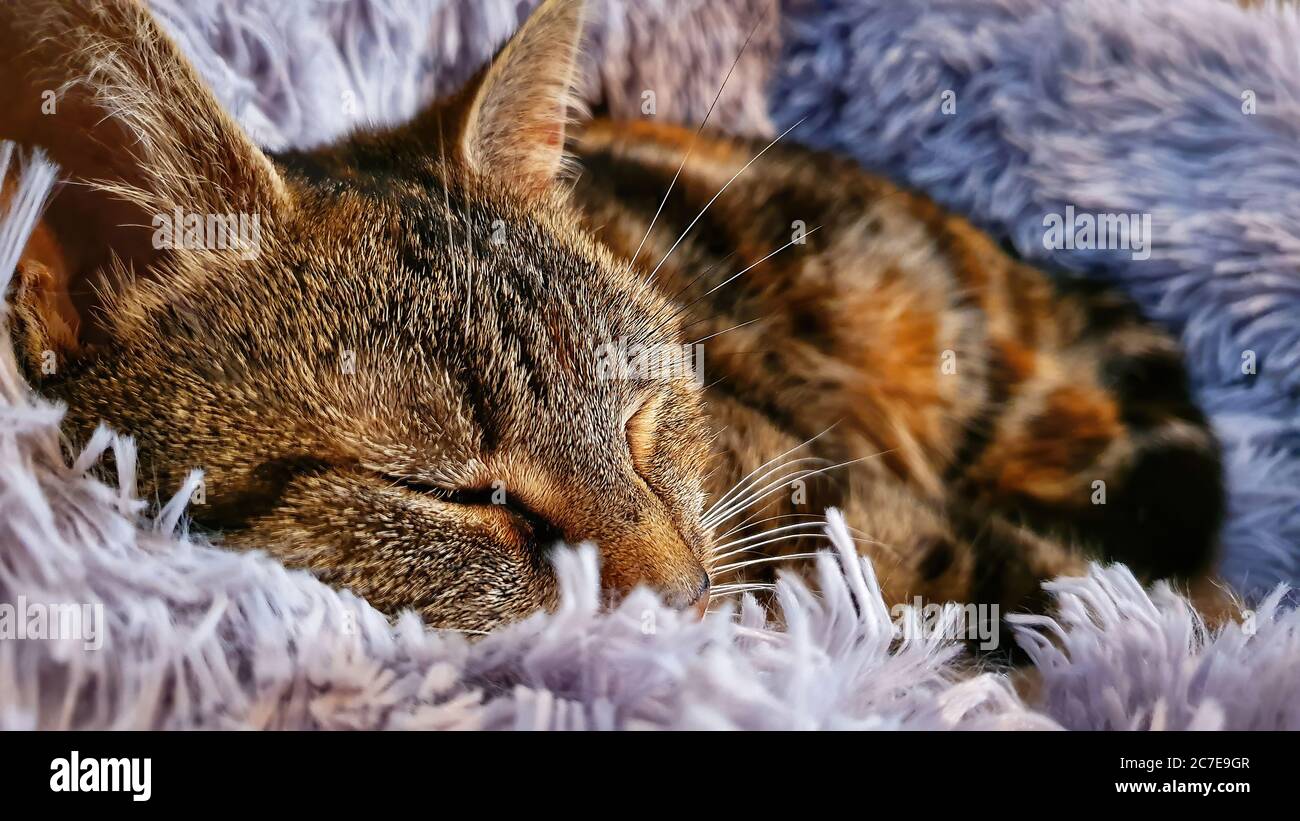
pixel 463 568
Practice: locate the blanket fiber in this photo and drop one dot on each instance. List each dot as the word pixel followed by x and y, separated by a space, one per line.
pixel 179 633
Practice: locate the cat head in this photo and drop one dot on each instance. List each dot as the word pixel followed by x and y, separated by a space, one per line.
pixel 390 357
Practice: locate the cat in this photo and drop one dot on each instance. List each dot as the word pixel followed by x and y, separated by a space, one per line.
pixel 451 344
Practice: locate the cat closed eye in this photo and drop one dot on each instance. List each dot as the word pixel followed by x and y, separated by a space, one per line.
pixel 455 496
pixel 542 529
pixel 640 428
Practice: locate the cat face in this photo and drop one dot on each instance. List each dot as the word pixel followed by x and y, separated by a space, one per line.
pixel 390 358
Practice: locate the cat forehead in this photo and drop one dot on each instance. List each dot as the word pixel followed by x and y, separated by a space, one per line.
pixel 423 218
pixel 453 251
pixel 457 282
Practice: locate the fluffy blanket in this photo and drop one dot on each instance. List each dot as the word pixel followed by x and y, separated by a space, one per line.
pixel 142 626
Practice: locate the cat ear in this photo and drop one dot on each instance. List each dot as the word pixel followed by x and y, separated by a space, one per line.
pixel 513 114
pixel 101 90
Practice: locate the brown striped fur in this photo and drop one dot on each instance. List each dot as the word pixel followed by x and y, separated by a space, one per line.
pixel 1051 388
pixel 474 283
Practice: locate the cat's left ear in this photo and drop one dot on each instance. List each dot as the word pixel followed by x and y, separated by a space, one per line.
pixel 510 120
pixel 105 93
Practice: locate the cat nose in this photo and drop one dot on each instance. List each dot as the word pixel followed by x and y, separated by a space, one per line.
pixel 646 550
pixel 682 584
pixel 694 600
pixel 701 606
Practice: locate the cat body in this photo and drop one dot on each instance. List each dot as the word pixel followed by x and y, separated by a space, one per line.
pixel 405 387
pixel 983 428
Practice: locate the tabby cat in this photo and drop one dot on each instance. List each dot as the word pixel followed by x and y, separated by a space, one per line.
pixel 406 385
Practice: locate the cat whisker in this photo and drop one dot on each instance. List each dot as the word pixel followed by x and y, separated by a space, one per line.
pixel 446 196
pixel 726 330
pixel 731 279
pixel 744 484
pixel 676 310
pixel 746 525
pixel 765 534
pixel 791 557
pixel 754 547
pixel 738 506
pixel 682 309
pixel 735 589
pixel 753 265
pixel 751 548
pixel 773 461
pixel 695 138
pixel 469 273
pixel 714 199
pixel 817 518
pixel 721 512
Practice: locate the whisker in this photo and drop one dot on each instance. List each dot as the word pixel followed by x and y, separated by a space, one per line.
pixel 725 186
pixel 724 282
pixel 753 265
pixel 446 197
pixel 713 522
pixel 734 506
pixel 771 461
pixel 746 524
pixel 752 500
pixel 753 547
pixel 695 137
pixel 727 330
pixel 672 300
pixel 469 273
pixel 733 589
pixel 765 560
pixel 766 534
pixel 682 309
pixel 738 505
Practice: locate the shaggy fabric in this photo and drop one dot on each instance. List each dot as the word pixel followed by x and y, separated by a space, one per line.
pixel 304 73
pixel 194 636
pixel 1110 106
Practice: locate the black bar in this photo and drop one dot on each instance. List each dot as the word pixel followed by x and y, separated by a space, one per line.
pixel 219 771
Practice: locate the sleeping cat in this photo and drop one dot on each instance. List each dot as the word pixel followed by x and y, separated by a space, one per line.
pixel 426 366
